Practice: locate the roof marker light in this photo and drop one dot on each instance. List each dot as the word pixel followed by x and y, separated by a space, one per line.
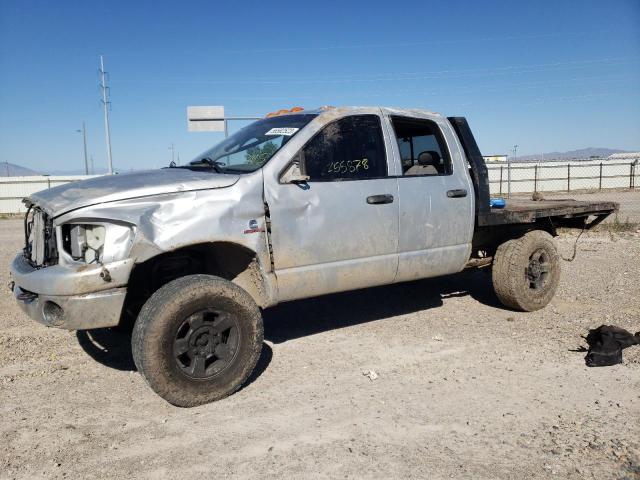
pixel 284 112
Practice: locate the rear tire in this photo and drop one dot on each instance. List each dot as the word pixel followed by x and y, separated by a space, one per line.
pixel 526 271
pixel 197 339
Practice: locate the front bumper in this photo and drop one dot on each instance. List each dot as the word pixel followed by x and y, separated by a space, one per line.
pixel 70 279
pixel 71 297
pixel 73 312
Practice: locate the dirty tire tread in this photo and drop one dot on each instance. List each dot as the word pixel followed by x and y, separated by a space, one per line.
pixel 511 259
pixel 501 274
pixel 151 339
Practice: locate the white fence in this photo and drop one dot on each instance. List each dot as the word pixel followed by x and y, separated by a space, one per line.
pixel 14 189
pixel 525 178
pixel 563 176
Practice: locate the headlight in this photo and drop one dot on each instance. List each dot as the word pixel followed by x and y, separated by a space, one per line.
pixel 84 242
pixel 96 243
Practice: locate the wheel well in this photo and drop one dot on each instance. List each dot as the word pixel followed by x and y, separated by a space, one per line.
pixel 227 260
pixel 488 239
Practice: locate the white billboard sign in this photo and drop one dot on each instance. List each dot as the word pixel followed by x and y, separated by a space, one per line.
pixel 205 119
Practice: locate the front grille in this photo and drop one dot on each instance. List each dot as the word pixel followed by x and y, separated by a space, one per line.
pixel 40 239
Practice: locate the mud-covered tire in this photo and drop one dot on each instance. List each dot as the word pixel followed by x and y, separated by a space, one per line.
pixel 184 314
pixel 526 271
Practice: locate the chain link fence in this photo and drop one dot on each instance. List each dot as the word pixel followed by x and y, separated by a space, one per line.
pixel 589 180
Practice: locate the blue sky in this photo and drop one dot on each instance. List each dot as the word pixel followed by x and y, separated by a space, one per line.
pixel 546 75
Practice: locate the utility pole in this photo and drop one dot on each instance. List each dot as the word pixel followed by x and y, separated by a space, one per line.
pixel 515 148
pixel 84 142
pixel 105 103
pixel 172 153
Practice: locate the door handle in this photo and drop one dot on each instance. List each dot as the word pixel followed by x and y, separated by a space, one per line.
pixel 458 193
pixel 379 199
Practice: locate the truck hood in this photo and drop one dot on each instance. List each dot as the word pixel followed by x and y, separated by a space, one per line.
pixel 110 188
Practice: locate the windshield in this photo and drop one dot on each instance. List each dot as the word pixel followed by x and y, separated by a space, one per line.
pixel 250 148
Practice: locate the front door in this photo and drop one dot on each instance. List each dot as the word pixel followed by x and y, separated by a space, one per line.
pixel 339 230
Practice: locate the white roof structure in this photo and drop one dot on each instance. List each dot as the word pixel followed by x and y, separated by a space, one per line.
pixel 624 156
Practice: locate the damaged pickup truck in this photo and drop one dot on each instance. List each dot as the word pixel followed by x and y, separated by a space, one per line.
pixel 295 205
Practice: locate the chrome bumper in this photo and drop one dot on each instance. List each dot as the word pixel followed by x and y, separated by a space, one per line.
pixel 76 312
pixel 70 279
pixel 73 298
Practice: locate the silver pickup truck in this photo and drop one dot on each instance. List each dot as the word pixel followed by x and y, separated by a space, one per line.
pixel 298 204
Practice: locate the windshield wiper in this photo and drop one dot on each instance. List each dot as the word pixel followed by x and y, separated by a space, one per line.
pixel 215 164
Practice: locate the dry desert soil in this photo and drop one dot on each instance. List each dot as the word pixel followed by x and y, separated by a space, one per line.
pixel 465 388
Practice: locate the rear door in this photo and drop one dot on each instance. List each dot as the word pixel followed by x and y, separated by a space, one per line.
pixel 339 230
pixel 436 210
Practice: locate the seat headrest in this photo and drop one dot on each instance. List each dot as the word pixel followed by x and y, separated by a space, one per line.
pixel 429 158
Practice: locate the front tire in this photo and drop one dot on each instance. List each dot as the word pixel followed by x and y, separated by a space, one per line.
pixel 526 271
pixel 197 339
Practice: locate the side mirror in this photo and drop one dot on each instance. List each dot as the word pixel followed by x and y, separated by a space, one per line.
pixel 294 175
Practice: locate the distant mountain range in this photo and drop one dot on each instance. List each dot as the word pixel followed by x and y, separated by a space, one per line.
pixel 10 170
pixel 591 152
pixel 77 171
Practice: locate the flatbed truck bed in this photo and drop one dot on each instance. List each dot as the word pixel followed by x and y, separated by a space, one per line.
pixel 522 210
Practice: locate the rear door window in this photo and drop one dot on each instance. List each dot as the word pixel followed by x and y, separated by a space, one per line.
pixel 423 150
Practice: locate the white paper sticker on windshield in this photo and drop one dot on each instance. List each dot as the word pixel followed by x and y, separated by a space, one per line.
pixel 287 132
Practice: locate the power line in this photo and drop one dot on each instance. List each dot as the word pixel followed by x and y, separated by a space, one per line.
pixel 399 76
pixel 404 93
pixel 105 103
pixel 457 41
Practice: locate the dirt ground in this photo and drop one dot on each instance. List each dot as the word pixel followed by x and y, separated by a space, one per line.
pixel 466 389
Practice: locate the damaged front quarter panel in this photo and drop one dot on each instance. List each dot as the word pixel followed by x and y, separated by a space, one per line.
pixel 168 222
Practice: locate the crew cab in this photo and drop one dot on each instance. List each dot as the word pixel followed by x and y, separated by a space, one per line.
pixel 298 204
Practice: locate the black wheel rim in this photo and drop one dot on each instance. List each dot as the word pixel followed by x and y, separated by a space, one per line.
pixel 206 343
pixel 537 272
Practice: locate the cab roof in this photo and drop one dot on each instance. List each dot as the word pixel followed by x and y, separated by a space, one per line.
pixel 409 112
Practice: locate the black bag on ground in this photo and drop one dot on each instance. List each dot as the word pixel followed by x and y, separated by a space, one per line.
pixel 606 344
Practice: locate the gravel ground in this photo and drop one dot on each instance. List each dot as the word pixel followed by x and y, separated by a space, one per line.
pixel 466 389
